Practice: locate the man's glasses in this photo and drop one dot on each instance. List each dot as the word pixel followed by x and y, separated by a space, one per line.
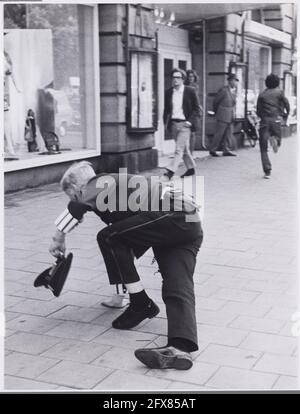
pixel 176 77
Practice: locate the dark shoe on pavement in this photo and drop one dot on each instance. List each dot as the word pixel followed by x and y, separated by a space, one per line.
pixel 229 154
pixel 190 171
pixel 163 358
pixel 131 317
pixel 267 175
pixel 168 174
pixel 213 154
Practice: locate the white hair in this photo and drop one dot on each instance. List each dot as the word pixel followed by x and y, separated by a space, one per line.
pixel 77 176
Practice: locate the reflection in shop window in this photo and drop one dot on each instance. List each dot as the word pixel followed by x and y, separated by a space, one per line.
pixel 49 98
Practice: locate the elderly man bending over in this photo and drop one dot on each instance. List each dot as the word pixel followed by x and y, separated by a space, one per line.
pixel 158 217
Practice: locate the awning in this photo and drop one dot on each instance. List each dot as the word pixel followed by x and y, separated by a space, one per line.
pixel 194 12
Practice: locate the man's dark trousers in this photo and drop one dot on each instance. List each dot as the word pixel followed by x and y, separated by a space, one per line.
pixel 175 242
pixel 268 127
pixel 223 137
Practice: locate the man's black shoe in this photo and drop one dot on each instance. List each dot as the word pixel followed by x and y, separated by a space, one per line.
pixel 229 154
pixel 131 317
pixel 190 171
pixel 164 358
pixel 213 154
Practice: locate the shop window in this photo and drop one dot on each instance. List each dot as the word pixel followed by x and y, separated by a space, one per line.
pixel 289 87
pixel 50 81
pixel 259 66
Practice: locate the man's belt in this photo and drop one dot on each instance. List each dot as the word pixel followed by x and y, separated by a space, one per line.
pixel 178 120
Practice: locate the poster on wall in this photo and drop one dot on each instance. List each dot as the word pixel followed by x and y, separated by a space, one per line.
pixel 142 91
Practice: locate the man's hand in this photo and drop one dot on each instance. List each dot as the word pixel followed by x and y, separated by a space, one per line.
pixel 58 247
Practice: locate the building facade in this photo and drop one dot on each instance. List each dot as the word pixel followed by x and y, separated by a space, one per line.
pixel 87 81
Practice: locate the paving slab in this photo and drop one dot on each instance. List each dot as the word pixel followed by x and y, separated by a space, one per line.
pixel 74 374
pixel 235 379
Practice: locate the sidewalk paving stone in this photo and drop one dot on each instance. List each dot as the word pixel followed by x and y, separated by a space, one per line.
pixel 27 366
pixel 77 314
pixel 10 316
pixel 76 330
pixel 12 300
pixel 79 299
pixel 257 324
pixel 36 307
pixel 74 374
pixel 30 292
pixel 275 344
pixel 236 295
pixel 287 383
pixel 235 379
pixel 33 324
pixel 131 381
pixel 247 309
pixel 287 329
pixel 121 359
pixel 221 335
pixel 209 304
pixel 217 318
pixel 29 343
pixel 259 275
pixel 199 375
pixel 77 351
pixel 22 384
pixel 229 356
pixel 128 339
pixel 106 318
pixel 284 365
pixel 182 386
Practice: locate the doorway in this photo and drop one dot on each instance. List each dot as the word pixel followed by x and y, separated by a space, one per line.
pixel 167 62
pixel 170 56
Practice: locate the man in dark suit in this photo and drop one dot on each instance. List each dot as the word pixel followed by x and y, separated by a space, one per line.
pixel 166 220
pixel 224 108
pixel 182 110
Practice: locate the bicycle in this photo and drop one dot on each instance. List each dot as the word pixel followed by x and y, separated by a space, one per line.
pixel 250 129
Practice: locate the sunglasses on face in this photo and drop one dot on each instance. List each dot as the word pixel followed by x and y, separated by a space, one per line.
pixel 177 77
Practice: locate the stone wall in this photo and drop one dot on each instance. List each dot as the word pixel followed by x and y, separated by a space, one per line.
pixel 115 22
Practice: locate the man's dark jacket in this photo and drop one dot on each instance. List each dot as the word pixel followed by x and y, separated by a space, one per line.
pixel 190 105
pixel 272 103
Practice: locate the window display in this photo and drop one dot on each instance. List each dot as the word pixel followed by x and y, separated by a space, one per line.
pixel 50 80
pixel 143 93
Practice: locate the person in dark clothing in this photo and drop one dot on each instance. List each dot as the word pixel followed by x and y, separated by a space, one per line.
pixel 192 81
pixel 224 107
pixel 273 108
pixel 166 220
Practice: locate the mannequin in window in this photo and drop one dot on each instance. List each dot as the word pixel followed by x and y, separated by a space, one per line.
pixel 9 81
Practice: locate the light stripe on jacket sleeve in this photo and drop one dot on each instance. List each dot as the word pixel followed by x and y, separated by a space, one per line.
pixel 66 222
